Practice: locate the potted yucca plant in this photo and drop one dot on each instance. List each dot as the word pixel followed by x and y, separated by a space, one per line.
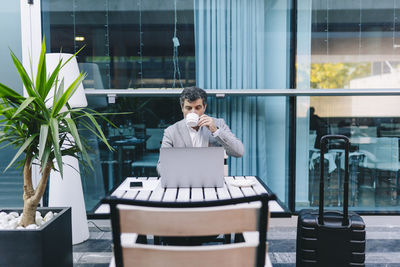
pixel 42 135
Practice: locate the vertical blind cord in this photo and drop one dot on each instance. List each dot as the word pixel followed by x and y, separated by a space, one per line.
pixel 140 44
pixel 176 43
pixel 107 41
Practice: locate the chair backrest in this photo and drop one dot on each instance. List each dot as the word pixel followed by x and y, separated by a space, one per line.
pixel 131 218
pixel 140 130
pixel 93 77
pixel 154 141
pixel 93 80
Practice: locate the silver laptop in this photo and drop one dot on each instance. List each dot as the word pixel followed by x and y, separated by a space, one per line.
pixel 192 167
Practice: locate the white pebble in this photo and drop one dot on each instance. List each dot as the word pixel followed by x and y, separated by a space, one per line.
pixel 13 213
pixel 13 224
pixel 48 216
pixel 3 220
pixel 12 220
pixel 31 226
pixel 39 221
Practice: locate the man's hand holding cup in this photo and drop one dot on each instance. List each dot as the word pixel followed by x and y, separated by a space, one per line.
pixel 207 121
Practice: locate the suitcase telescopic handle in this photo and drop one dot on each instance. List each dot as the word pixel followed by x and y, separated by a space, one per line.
pixel 324 143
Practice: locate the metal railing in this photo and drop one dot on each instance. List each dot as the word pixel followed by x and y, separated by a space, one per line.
pixel 159 92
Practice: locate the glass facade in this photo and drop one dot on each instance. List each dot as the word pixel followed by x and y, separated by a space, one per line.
pixel 137 139
pixel 173 44
pixel 349 45
pixel 235 45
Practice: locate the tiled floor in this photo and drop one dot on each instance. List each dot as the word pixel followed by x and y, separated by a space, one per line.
pixel 96 251
pixel 383 243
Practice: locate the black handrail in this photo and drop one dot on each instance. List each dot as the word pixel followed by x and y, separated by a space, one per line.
pixel 324 143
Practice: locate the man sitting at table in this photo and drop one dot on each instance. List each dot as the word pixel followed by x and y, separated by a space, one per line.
pixel 208 132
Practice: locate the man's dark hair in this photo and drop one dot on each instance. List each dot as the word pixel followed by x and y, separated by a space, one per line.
pixel 192 94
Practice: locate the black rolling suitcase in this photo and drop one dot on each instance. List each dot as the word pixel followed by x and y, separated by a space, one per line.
pixel 330 238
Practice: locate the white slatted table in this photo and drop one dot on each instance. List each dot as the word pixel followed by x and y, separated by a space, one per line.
pixel 152 191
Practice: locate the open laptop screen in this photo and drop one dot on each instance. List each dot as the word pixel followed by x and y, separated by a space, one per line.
pixel 192 167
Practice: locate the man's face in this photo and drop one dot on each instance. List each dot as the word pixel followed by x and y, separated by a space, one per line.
pixel 195 106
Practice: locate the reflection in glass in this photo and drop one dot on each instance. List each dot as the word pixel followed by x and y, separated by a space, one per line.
pixel 136 136
pixel 353 45
pixel 374 159
pixel 128 44
pixel 249 54
pixel 177 43
pixel 136 139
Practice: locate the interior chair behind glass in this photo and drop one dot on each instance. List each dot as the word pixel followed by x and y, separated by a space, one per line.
pixel 380 170
pixel 150 156
pixel 131 218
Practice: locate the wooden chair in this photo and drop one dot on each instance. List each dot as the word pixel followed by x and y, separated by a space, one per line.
pixel 131 218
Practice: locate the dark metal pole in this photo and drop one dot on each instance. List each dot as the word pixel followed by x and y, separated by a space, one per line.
pixel 292 107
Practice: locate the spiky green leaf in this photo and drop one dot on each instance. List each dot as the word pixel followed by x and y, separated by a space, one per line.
pixel 74 55
pixel 23 106
pixel 9 93
pixel 22 149
pixel 58 92
pixel 24 76
pixel 46 155
pixel 55 142
pixel 74 132
pixel 86 158
pixel 67 94
pixel 51 81
pixel 44 130
pixel 41 71
pixel 11 143
pixel 98 128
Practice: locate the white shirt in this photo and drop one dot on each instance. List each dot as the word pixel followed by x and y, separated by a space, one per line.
pixel 197 138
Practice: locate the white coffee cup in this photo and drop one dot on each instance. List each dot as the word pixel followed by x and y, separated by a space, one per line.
pixel 192 119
